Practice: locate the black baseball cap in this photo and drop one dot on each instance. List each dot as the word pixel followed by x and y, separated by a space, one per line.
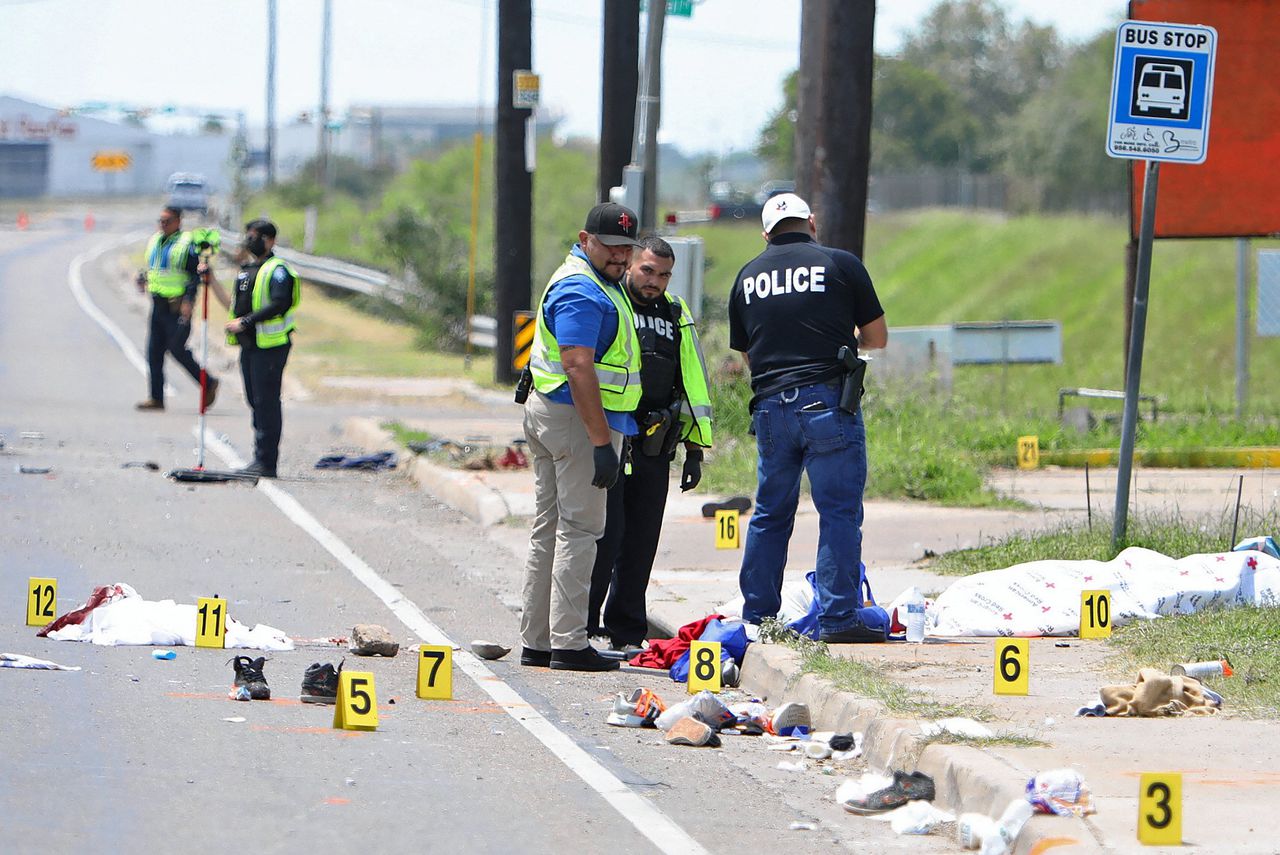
pixel 613 225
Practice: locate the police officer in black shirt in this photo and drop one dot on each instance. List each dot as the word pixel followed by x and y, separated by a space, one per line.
pixel 263 310
pixel 790 311
pixel 674 407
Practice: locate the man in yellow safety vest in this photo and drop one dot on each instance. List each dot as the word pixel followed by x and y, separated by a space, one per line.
pixel 170 276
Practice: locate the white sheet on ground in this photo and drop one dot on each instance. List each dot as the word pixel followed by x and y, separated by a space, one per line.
pixel 129 619
pixel 1043 597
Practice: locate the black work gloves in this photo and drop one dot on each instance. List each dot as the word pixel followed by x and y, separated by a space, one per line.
pixel 606 462
pixel 692 473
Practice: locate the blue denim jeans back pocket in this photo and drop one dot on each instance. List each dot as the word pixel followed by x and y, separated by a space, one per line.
pixel 760 423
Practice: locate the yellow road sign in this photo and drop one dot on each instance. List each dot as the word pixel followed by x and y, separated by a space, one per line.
pixel 111 161
pixel 521 339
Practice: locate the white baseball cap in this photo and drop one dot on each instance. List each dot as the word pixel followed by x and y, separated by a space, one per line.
pixel 784 206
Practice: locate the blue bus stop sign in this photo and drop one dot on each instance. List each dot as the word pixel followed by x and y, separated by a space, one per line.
pixel 1162 92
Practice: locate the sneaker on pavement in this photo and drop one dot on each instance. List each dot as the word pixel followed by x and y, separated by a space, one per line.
pixel 690 731
pixel 741 504
pixel 249 676
pixel 916 786
pixel 149 404
pixel 789 718
pixel 320 683
pixel 640 708
pixel 586 659
pixel 535 658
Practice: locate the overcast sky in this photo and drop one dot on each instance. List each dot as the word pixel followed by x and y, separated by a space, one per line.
pixel 723 68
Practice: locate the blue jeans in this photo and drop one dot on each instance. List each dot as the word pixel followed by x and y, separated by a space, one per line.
pixel 803 429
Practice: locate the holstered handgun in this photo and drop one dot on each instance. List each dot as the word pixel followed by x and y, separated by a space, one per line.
pixel 855 370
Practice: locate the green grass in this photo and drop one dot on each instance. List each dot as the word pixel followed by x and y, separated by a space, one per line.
pixel 1248 636
pixel 1164 533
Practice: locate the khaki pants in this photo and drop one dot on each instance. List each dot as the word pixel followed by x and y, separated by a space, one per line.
pixel 568 520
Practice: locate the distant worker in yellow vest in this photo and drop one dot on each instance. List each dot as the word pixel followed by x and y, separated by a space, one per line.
pixel 585 366
pixel 263 310
pixel 170 276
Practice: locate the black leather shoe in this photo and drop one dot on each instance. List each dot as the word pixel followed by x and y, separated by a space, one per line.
pixel 536 658
pixel 586 659
pixel 853 635
pixel 258 469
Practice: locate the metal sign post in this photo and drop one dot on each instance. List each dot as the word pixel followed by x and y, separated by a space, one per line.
pixel 1161 95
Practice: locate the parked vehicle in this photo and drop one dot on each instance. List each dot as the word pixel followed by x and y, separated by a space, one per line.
pixel 728 204
pixel 188 191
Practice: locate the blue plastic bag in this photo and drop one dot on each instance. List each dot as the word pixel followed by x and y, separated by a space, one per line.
pixel 733 646
pixel 872 616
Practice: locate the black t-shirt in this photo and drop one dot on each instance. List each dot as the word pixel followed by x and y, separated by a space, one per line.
pixel 659 355
pixel 793 306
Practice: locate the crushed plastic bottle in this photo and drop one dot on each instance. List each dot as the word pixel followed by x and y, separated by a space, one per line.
pixel 991 836
pixel 915 615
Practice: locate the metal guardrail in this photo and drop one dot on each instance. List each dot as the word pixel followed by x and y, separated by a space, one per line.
pixel 331 272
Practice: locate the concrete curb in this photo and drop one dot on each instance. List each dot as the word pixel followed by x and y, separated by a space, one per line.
pixel 460 490
pixel 968 780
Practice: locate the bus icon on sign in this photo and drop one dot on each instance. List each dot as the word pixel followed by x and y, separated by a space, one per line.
pixel 1163 86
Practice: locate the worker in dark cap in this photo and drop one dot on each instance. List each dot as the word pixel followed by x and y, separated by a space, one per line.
pixel 585 377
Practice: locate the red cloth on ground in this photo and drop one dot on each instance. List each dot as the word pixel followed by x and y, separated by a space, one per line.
pixel 663 652
pixel 101 594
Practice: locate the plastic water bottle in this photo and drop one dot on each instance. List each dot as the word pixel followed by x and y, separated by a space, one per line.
pixel 915 615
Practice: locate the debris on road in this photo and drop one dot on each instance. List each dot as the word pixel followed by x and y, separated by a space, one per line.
pixel 375 462
pixel 370 639
pixel 690 731
pixel 1060 791
pixel 163 654
pixel 33 470
pixel 320 683
pixel 17 660
pixel 141 464
pixel 249 679
pixel 993 837
pixel 489 649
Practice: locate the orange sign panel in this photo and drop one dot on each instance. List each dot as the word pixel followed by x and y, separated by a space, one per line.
pixel 1236 191
pixel 111 161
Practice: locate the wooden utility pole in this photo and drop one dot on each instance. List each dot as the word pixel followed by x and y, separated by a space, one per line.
pixel 513 212
pixel 848 64
pixel 620 78
pixel 808 160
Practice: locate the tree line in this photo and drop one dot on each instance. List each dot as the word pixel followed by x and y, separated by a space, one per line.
pixel 973 91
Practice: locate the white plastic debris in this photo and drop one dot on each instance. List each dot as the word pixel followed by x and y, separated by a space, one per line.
pixel 802 826
pixel 235 719
pixel 857 790
pixel 918 817
pixel 991 836
pixel 817 750
pixel 798 766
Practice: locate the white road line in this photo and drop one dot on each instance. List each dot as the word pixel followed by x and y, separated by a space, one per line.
pixel 650 821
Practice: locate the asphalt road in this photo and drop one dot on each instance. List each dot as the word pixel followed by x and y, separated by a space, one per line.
pixel 134 754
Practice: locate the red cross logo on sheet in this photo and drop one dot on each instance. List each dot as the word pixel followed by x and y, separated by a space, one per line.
pixel 1185 573
pixel 1220 558
pixel 1050 584
pixel 1252 562
pixel 625 222
pixel 1008 615
pixel 1044 609
pixel 1219 579
pixel 1088 578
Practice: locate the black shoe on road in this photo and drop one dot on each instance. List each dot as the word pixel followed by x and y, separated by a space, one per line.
pixel 586 659
pixel 249 675
pixel 320 684
pixel 258 470
pixel 741 504
pixel 535 658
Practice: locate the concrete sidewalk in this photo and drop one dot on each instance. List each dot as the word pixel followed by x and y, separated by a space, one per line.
pixel 1230 766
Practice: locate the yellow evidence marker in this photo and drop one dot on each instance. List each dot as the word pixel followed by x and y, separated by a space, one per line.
pixel 1095 614
pixel 1160 809
pixel 1013 661
pixel 42 601
pixel 211 622
pixel 727 529
pixel 1028 452
pixel 435 672
pixel 357 704
pixel 704 666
